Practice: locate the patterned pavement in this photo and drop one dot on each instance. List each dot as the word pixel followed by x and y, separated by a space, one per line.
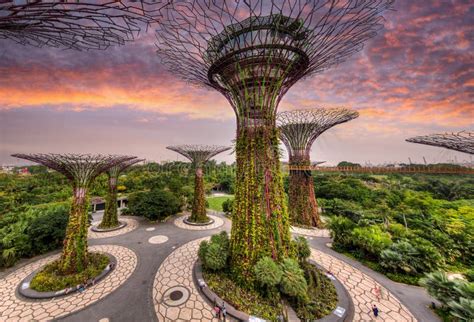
pixel 13 308
pixel 177 270
pixel 179 222
pixel 131 225
pixel 363 291
pixel 314 232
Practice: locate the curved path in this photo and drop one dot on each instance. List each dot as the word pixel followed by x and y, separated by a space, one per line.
pixel 139 296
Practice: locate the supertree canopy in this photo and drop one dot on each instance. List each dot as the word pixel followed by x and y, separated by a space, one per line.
pixel 110 218
pixel 198 155
pixel 252 52
pixel 298 131
pixel 462 141
pixel 81 170
pixel 75 24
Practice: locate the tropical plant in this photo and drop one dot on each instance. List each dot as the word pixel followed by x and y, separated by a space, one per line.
pixel 293 282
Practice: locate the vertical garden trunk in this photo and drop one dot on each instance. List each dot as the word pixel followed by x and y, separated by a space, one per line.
pixel 260 223
pixel 302 201
pixel 110 219
pixel 74 256
pixel 198 213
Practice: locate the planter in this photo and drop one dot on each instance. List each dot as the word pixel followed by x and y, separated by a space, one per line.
pixel 96 229
pixel 25 290
pixel 186 221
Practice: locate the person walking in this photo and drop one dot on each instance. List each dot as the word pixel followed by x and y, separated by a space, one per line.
pixel 224 311
pixel 375 310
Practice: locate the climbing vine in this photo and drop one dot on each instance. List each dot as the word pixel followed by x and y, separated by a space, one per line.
pixel 198 213
pixel 110 218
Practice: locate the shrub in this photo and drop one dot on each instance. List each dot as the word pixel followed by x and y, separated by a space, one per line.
pixel 302 248
pixel 341 230
pixel 47 231
pixel 214 254
pixel 293 282
pixel 154 205
pixel 399 257
pixel 470 275
pixel 228 206
pixel 372 240
pixel 440 287
pixel 267 272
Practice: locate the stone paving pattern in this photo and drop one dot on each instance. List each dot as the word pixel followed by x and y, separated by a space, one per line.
pixel 131 225
pixel 177 270
pixel 179 222
pixel 361 288
pixel 314 232
pixel 13 308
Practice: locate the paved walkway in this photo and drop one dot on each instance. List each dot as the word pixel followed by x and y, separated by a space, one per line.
pixel 165 262
pixel 314 232
pixel 13 308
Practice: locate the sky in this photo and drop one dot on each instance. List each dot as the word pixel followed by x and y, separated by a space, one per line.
pixel 415 77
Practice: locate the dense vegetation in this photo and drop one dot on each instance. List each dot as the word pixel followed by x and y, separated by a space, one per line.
pixel 292 279
pixel 403 226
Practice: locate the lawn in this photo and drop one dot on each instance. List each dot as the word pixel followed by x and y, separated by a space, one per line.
pixel 215 203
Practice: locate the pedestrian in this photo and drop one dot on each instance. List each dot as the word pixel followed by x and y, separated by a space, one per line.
pixel 375 309
pixel 224 310
pixel 377 292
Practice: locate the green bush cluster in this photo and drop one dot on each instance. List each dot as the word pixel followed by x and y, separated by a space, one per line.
pixel 37 230
pixel 48 280
pixel 154 205
pixel 228 206
pixel 214 254
pixel 456 295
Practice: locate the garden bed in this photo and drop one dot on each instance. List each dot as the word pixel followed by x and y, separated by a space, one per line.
pixel 96 229
pixel 44 283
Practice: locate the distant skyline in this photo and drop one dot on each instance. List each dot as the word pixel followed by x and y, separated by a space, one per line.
pixel 415 77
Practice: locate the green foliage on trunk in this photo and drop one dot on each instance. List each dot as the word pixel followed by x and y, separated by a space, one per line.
pixel 301 199
pixel 110 218
pixel 74 256
pixel 199 213
pixel 260 223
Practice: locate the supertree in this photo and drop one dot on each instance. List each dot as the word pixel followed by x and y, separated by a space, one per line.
pixel 75 24
pixel 110 218
pixel 298 131
pixel 198 155
pixel 462 141
pixel 252 52
pixel 81 170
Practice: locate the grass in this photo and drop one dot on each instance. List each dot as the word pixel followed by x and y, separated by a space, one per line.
pixel 47 280
pixel 245 300
pixel 215 203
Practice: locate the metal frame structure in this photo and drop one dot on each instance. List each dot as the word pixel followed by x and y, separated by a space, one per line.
pixel 81 170
pixel 253 51
pixel 298 131
pixel 79 25
pixel 462 141
pixel 198 154
pixel 110 218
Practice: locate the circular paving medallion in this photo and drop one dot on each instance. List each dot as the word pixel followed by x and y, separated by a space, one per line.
pixel 175 296
pixel 158 239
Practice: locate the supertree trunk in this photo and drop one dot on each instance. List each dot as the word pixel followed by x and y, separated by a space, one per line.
pixel 198 213
pixel 110 219
pixel 260 225
pixel 303 204
pixel 74 255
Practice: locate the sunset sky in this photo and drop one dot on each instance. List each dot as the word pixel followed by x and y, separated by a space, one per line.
pixel 415 77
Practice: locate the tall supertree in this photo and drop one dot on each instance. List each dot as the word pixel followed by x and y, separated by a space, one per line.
pixel 198 155
pixel 110 218
pixel 75 24
pixel 462 141
pixel 81 170
pixel 252 52
pixel 298 131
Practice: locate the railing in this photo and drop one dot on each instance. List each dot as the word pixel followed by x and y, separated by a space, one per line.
pixel 405 169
